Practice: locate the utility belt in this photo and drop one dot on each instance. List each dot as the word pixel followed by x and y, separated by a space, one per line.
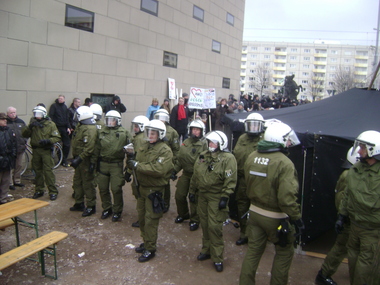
pixel 111 160
pixel 269 214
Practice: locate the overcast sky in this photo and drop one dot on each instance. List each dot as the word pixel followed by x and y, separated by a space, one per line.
pixel 346 21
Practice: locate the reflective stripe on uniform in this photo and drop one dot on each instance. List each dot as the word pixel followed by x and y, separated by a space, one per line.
pixel 262 174
pixel 269 214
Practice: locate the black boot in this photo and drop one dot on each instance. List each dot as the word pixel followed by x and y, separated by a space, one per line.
pixel 146 256
pixel 77 207
pixel 324 280
pixel 89 211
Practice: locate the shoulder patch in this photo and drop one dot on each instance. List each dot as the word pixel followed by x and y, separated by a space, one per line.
pixel 228 172
pixel 160 159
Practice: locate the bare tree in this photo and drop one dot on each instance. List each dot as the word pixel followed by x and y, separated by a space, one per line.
pixel 344 79
pixel 262 79
pixel 316 86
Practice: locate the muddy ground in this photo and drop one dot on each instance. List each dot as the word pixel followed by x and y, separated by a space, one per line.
pixel 101 251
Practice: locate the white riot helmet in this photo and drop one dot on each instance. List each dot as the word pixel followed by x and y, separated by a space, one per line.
pixel 219 138
pixel 351 158
pixel 39 112
pixel 162 115
pixel 281 133
pixel 83 113
pixel 254 124
pixel 155 125
pixel 196 124
pixel 141 121
pixel 371 140
pixel 112 119
pixel 97 110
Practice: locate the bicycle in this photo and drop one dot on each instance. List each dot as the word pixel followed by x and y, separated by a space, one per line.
pixel 56 153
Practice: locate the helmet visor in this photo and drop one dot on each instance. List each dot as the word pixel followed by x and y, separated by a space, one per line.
pixel 161 117
pixel 111 122
pixel 292 139
pixel 253 127
pixel 151 135
pixel 38 114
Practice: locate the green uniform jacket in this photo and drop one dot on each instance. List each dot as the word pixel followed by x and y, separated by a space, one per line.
pixel 272 183
pixel 172 140
pixel 110 144
pixel 189 151
pixel 245 146
pixel 154 164
pixel 221 179
pixel 49 131
pixel 340 187
pixel 99 124
pixel 362 195
pixel 138 140
pixel 84 140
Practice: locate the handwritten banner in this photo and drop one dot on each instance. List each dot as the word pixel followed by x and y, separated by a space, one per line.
pixel 172 93
pixel 202 98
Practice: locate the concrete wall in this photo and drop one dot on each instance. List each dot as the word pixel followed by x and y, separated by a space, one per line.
pixel 41 58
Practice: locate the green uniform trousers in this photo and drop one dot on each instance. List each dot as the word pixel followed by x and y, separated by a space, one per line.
pixel 167 195
pixel 181 194
pixel 148 220
pixel 243 204
pixel 212 219
pixel 84 184
pixel 42 163
pixel 260 229
pixel 361 246
pixel 336 254
pixel 111 174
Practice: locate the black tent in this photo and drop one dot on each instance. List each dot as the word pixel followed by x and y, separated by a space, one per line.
pixel 326 130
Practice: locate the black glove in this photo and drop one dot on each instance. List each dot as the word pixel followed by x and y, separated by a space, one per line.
pixel 34 124
pixel 300 225
pixel 339 224
pixel 91 168
pixel 225 107
pixel 131 156
pixel 132 164
pixel 173 176
pixel 192 198
pixel 127 176
pixel 223 203
pixel 44 142
pixel 76 161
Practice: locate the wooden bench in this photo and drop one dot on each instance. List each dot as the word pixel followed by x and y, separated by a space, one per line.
pixel 6 223
pixel 44 244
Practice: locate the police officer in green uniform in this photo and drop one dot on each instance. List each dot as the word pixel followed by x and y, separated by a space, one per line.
pixel 214 180
pixel 153 164
pixel 109 150
pixel 272 187
pixel 83 147
pixel 172 140
pixel 361 204
pixel 246 144
pixel 43 133
pixel 339 251
pixel 189 151
pixel 137 127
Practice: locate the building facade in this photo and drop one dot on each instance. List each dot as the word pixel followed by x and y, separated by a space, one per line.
pixel 129 48
pixel 316 67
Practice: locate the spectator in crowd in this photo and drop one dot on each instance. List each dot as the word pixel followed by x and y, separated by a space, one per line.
pixel 72 109
pixel 84 161
pixel 256 104
pixel 43 134
pixel 109 150
pixel 361 205
pixel 152 109
pixel 59 114
pixel 246 103
pixel 213 181
pixel 153 164
pixel 8 153
pixel 16 125
pixel 88 102
pixel 240 108
pixel 179 118
pixel 115 105
pixel 219 113
pixel 166 105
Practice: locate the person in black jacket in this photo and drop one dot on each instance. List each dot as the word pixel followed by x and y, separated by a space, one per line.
pixel 16 124
pixel 179 118
pixel 8 152
pixel 59 114
pixel 115 105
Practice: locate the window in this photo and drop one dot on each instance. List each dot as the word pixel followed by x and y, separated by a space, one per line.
pixel 293 57
pixel 170 59
pixel 305 81
pixel 79 19
pixel 149 6
pixel 102 99
pixel 333 52
pixel 267 49
pixel 266 56
pixel 251 71
pixel 253 48
pixel 230 19
pixel 332 75
pixel 347 60
pixel 306 66
pixel 252 63
pixel 198 13
pixel 226 83
pixel 306 50
pixel 292 65
pixel 253 55
pixel 216 46
pixel 333 59
pixel 306 58
pixel 347 52
pixel 305 73
pixel 267 64
pixel 293 50
pixel 331 83
pixel 332 67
